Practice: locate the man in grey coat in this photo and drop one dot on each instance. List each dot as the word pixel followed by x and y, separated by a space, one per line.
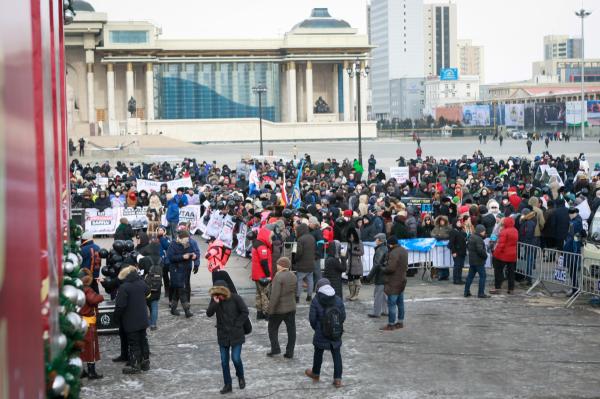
pixel 477 257
pixel 306 247
pixel 376 276
pixel 282 308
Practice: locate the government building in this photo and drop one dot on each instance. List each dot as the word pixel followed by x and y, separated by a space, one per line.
pixel 124 79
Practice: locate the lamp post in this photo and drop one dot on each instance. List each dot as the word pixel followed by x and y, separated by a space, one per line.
pixel 355 70
pixel 260 90
pixel 582 14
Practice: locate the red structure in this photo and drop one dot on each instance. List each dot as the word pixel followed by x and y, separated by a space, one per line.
pixel 33 188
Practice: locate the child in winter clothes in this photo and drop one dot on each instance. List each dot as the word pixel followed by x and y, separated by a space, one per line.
pixel 89 311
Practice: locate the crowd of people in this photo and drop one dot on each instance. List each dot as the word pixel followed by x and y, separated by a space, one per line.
pixel 481 206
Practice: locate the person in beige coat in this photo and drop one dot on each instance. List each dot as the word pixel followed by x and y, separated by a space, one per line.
pixel 282 308
pixel 534 203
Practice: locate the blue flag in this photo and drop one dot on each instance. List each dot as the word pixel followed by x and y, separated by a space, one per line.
pixel 296 199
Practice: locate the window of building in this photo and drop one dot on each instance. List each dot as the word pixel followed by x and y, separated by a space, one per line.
pixel 129 36
pixel 468 94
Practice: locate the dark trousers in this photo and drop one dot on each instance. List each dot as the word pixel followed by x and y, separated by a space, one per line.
pixel 290 324
pixel 179 294
pixel 81 151
pixel 499 267
pixel 337 362
pixel 138 347
pixel 188 281
pixel 124 343
pixel 475 269
pixel 459 263
pixel 167 284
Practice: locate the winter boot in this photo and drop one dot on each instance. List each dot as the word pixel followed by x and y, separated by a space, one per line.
pixel 242 382
pixel 226 389
pixel 352 289
pixel 259 315
pixel 188 313
pixel 357 285
pixel 91 372
pixel 145 366
pixel 174 310
pixel 135 367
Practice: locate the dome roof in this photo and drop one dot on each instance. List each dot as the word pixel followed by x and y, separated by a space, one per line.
pixel 321 19
pixel 81 5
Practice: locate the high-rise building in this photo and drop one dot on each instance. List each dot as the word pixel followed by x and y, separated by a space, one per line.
pixel 470 59
pixel 560 47
pixel 396 29
pixel 439 21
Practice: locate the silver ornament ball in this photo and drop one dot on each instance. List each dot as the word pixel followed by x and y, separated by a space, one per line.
pixel 68 267
pixel 76 362
pixel 75 320
pixel 78 283
pixel 73 258
pixel 70 293
pixel 61 341
pixel 84 326
pixel 59 385
pixel 80 299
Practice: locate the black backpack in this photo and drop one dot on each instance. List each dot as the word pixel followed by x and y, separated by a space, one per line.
pixel 154 277
pixel 331 323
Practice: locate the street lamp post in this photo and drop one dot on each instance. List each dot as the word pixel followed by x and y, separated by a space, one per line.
pixel 260 90
pixel 582 14
pixel 358 73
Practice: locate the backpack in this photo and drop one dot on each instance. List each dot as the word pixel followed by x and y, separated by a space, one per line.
pixel 331 323
pixel 154 277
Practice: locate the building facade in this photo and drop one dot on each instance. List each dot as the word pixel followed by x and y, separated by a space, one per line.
pixel 407 98
pixel 396 32
pixel 440 35
pixel 560 47
pixel 567 70
pixel 202 90
pixel 470 59
pixel 439 93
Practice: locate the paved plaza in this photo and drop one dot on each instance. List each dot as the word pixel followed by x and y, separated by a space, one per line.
pixel 451 347
pixel 386 151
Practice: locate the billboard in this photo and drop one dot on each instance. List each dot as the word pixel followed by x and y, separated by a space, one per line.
pixel 449 74
pixel 593 112
pixel 476 115
pixel 550 115
pixel 573 113
pixel 514 114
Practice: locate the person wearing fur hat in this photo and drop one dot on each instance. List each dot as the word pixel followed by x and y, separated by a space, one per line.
pixel 282 308
pixel 181 256
pixel 91 351
pixel 327 315
pixel 232 314
pixel 132 314
pixel 477 257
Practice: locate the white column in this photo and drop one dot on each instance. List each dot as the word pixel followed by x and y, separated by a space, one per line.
pixel 293 115
pixel 352 95
pixel 217 78
pixel 309 92
pixel 90 94
pixel 363 93
pixel 129 83
pixel 234 83
pixel 346 93
pixel 335 91
pixel 110 93
pixel 252 80
pixel 149 92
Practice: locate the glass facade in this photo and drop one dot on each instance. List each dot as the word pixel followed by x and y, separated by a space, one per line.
pixel 215 90
pixel 128 36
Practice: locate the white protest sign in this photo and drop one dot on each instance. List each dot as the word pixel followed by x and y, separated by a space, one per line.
pixel 136 216
pixel 226 234
pixel 241 236
pixel 102 181
pixel 97 222
pixel 215 225
pixel 147 185
pixel 400 173
pixel 173 185
pixel 187 214
pixel 584 210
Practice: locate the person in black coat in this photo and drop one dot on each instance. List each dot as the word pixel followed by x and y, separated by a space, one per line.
pixel 181 255
pixel 334 268
pixel 457 243
pixel 102 202
pixel 222 275
pixel 132 315
pixel 561 222
pixel 232 314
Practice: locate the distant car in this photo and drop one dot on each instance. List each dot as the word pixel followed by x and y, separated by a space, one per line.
pixel 519 134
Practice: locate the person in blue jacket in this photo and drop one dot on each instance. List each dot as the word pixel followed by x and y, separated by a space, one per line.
pixel 90 258
pixel 173 205
pixel 181 257
pixel 322 304
pixel 575 234
pixel 196 250
pixel 164 241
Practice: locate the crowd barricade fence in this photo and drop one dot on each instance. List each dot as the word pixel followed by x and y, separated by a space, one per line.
pixel 528 263
pixel 560 268
pixel 590 276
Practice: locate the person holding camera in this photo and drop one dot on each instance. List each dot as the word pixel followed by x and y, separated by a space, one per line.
pixel 181 255
pixel 232 316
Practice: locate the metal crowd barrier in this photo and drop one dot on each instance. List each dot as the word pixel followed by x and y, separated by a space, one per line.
pixel 590 276
pixel 563 269
pixel 528 263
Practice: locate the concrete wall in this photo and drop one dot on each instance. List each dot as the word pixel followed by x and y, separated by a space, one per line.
pixel 220 130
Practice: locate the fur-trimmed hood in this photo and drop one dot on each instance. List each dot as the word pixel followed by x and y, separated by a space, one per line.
pixel 441 217
pixel 126 271
pixel 220 288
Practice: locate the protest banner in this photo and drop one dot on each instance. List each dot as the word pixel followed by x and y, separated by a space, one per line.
pixel 172 185
pixel 400 173
pixel 241 237
pixel 136 216
pixel 147 185
pixel 226 233
pixel 104 222
pixel 188 214
pixel 215 224
pixel 423 204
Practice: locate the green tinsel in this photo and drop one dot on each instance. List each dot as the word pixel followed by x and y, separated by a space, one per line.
pixel 60 364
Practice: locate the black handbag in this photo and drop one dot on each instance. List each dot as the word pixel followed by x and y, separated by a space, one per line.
pixel 247 326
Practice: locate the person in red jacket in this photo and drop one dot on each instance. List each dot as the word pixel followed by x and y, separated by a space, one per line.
pixel 262 270
pixel 513 197
pixel 89 311
pixel 505 255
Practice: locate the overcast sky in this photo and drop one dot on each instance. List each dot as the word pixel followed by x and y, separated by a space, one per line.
pixel 510 30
